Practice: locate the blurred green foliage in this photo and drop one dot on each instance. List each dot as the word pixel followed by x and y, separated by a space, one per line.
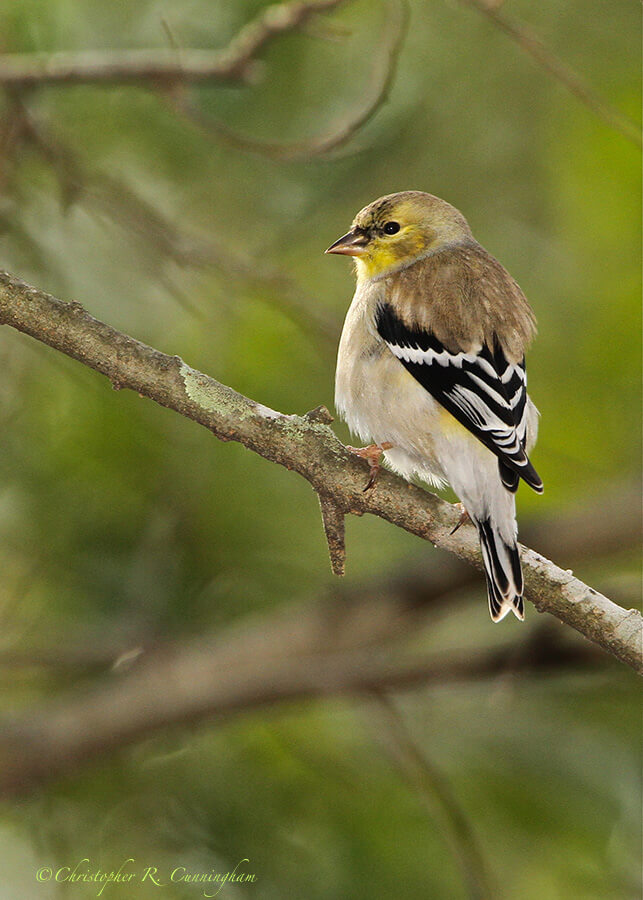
pixel 121 522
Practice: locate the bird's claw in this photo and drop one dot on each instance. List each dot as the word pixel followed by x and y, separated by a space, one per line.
pixel 372 454
pixel 464 517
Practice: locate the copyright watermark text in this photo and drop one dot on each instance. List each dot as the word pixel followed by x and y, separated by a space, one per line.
pixel 131 872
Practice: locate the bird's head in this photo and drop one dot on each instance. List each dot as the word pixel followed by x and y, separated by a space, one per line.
pixel 396 230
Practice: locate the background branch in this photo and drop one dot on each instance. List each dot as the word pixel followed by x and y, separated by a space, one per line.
pixel 336 135
pixel 308 447
pixel 164 66
pixel 435 791
pixel 386 608
pixel 300 654
pixel 112 196
pixel 532 45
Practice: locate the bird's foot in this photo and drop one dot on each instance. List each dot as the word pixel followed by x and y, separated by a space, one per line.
pixel 464 518
pixel 373 455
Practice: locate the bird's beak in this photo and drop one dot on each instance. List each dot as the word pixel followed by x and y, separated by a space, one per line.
pixel 351 244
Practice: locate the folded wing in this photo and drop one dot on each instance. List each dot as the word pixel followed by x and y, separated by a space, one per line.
pixel 481 389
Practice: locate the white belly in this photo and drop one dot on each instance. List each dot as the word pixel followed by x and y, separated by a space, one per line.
pixel 379 400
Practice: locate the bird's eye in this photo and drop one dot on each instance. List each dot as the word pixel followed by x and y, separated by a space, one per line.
pixel 391 228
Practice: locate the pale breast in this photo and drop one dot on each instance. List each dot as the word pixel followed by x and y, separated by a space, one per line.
pixel 376 396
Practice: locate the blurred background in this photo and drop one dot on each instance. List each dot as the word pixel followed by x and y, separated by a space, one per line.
pixel 195 219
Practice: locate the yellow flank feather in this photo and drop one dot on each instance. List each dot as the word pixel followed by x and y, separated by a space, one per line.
pixel 451 425
pixel 451 428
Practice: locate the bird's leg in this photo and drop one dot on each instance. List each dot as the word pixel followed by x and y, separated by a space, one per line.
pixel 373 455
pixel 464 518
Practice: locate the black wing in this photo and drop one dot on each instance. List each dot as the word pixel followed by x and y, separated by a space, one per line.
pixel 483 391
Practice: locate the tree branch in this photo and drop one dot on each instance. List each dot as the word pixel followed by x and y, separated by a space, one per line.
pixel 308 447
pixel 609 524
pixel 299 654
pixel 338 134
pixel 528 41
pixel 114 197
pixel 234 63
pixel 333 521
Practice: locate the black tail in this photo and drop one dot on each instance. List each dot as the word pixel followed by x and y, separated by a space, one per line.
pixel 511 474
pixel 508 476
pixel 503 573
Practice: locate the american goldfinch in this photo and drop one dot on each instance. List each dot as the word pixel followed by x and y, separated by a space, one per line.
pixel 431 368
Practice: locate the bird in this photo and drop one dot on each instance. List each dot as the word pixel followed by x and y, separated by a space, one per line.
pixel 431 370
